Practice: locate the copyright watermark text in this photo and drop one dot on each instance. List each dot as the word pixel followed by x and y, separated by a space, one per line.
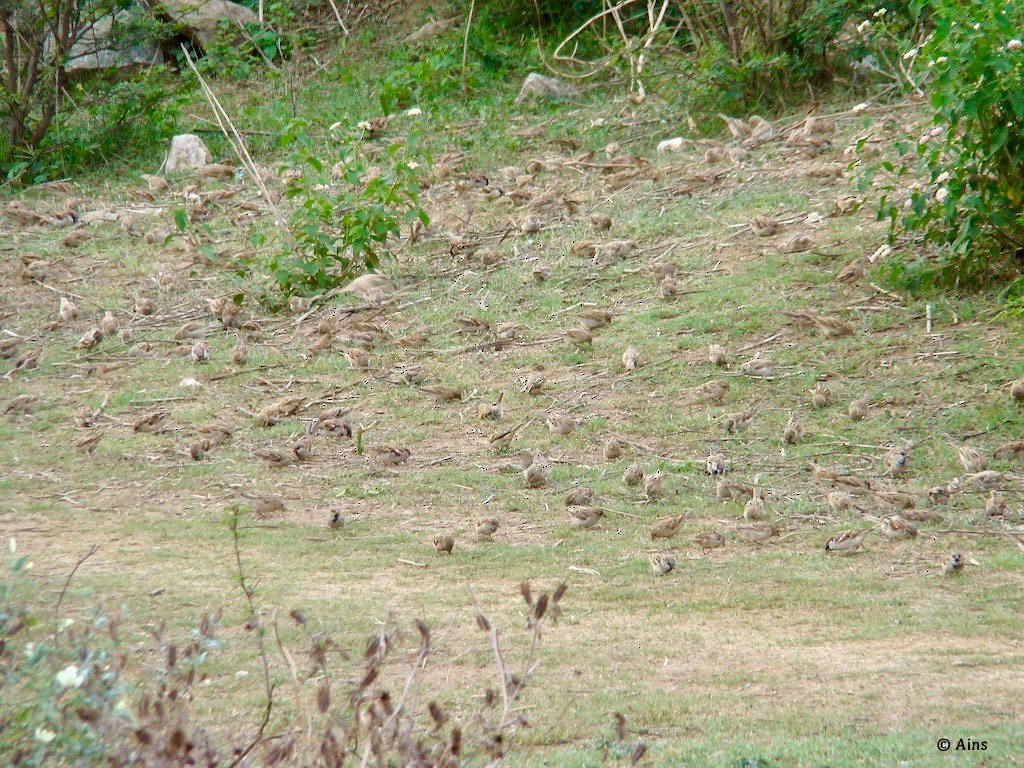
pixel 961 745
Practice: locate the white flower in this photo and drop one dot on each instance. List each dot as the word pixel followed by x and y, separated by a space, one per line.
pixel 12 545
pixel 906 204
pixel 413 112
pixel 334 126
pixel 1014 45
pixel 864 26
pixel 910 54
pixel 940 60
pixel 942 177
pixel 189 383
pixel 976 27
pixel 880 13
pixel 365 125
pixel 413 165
pixel 941 194
pixel 937 131
pixel 44 735
pixel 70 677
pixel 859 107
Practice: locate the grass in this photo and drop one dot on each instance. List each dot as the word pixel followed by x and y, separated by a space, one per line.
pixel 774 653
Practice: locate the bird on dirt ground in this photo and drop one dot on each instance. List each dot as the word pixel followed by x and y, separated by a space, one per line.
pixel 820 396
pixel 754 509
pixel 585 517
pixel 662 565
pixel 262 505
pixel 486 528
pixel 579 497
pixel 759 532
pixel 896 528
pixel 633 476
pixel 709 540
pixel 614 448
pixel 336 520
pixel 654 486
pixel 971 459
pixel 955 566
pixel 444 543
pixel 847 542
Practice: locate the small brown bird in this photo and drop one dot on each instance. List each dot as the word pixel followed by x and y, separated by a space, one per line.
pixel 144 306
pixel 971 459
pixel 262 505
pixel 358 359
pixel 471 325
pixel 240 353
pixel 585 517
pixel 600 222
pixel 1017 389
pixel 738 422
pixel 485 528
pixel 533 382
pixel 715 464
pixel 995 505
pixel 20 404
pixel 662 565
pixel 794 431
pixel 631 359
pixel 150 422
pixel 718 356
pixel 847 542
pixel 200 352
pixel 391 456
pixel 536 474
pixel 754 509
pixel 988 478
pixel 579 497
pixel 277 459
pixel 579 336
pixel 1011 450
pixel 335 520
pixel 633 476
pixel 820 396
pixel 758 368
pixel 109 324
pixel 559 424
pixel 838 501
pixel 709 540
pixel 613 448
pixel 592 319
pixel 667 528
pixel 90 339
pixel 654 486
pixel 728 491
pixel 858 409
pixel 199 449
pixel 503 437
pixel 191 330
pixel 444 543
pixel 713 391
pixel 896 528
pixel 898 460
pixel 668 287
pixel 441 393
pixel 214 434
pixel 759 532
pixel 68 310
pixel 88 444
pixel 955 566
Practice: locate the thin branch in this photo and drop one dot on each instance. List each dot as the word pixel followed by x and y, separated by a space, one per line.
pixel 67 582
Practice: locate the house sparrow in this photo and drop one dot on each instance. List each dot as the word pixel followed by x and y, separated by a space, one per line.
pixel 8 346
pixel 955 566
pixel 613 448
pixel 728 491
pixel 633 476
pixel 765 226
pixel 793 432
pixel 1011 450
pixel 754 509
pixel 491 411
pixel 68 310
pixel 1017 389
pixel 631 359
pixel 662 565
pixel 585 517
pixel 150 422
pixel 986 479
pixel 533 383
pixel 758 368
pixel 560 425
pixel 441 393
pixel 654 486
pixel 758 533
pixel 391 456
pixel 200 352
pixel 709 540
pixel 279 409
pixel 536 474
pixel 239 353
pixel 847 542
pixel 663 269
pixel 600 222
pixel 898 458
pixel 90 339
pixel 335 520
pixel 192 330
pixel 592 319
pixel 896 528
pixel 713 391
pixel 715 464
pixel 718 356
pixel 261 505
pixel 198 450
pixel 667 528
pixel 540 272
pixel 214 434
pixel 299 304
pixel 109 324
pixel 579 497
pixel 486 528
pixel 920 516
pixel 895 499
pixel 502 439
pixel 737 422
pixel 277 459
pixel 858 408
pixel 579 336
pixel 668 287
pixel 973 460
pixel 357 359
pixel 858 486
pixel 144 306
pixel 995 505
pixel 820 396
pixel 444 542
pixel 88 444
pixel 471 325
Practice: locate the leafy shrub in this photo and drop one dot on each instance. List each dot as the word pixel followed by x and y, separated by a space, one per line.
pixel 345 212
pixel 961 189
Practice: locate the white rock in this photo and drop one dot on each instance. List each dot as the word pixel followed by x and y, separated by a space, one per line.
pixel 671 145
pixel 187 151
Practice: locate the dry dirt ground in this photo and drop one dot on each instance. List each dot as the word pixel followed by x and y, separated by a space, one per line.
pixel 742 645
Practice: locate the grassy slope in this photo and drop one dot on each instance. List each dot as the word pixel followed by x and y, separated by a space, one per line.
pixel 777 652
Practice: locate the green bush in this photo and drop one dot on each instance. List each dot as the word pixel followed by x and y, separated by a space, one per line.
pixel 961 189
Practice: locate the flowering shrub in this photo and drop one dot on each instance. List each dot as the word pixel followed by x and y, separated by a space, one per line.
pixel 969 199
